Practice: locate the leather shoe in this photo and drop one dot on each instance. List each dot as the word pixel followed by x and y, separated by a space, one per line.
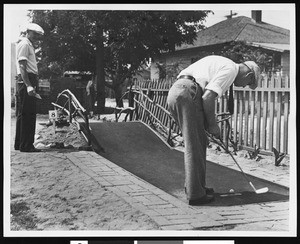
pixel 33 149
pixel 202 200
pixel 209 191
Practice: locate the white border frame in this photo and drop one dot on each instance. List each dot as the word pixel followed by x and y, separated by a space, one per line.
pixel 9 14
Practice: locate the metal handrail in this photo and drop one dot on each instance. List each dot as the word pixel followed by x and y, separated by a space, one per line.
pixel 79 109
pixel 141 103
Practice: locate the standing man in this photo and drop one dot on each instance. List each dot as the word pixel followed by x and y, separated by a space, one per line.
pixel 91 94
pixel 26 89
pixel 191 101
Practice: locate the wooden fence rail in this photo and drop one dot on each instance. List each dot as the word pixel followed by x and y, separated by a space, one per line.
pixel 260 118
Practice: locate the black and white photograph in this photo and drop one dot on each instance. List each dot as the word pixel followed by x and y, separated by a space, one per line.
pixel 132 120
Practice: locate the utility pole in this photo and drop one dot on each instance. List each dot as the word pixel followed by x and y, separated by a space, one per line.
pixel 230 15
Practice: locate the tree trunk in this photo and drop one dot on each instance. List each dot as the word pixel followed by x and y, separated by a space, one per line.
pixel 117 86
pixel 118 95
pixel 100 72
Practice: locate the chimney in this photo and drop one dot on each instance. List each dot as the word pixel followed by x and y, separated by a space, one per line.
pixel 256 15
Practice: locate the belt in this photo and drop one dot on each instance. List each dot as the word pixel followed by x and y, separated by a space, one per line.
pixel 189 77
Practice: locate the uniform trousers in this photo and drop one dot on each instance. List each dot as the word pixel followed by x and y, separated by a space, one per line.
pixel 91 100
pixel 25 115
pixel 186 107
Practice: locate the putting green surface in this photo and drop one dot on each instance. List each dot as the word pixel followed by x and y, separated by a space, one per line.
pixel 136 148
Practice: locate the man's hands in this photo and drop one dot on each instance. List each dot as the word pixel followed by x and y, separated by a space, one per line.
pixel 31 91
pixel 215 131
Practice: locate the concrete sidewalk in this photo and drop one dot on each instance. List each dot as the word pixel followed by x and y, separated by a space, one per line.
pixel 173 214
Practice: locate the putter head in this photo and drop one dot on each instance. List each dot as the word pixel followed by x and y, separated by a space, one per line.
pixel 262 190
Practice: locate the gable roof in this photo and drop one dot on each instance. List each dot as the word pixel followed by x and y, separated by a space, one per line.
pixel 272 46
pixel 240 29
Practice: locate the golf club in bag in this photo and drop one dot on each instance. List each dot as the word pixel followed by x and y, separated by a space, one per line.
pixel 257 191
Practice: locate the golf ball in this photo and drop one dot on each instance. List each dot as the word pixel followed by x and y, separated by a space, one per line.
pixel 231 191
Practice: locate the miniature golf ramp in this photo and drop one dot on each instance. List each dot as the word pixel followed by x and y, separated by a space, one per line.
pixel 136 148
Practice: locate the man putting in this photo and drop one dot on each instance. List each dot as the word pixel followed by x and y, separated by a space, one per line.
pixel 191 101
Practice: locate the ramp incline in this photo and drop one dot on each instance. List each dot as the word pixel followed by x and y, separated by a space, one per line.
pixel 137 148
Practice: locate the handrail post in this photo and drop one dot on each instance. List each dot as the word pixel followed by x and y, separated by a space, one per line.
pixel 88 128
pixel 169 140
pixel 70 101
pixel 131 102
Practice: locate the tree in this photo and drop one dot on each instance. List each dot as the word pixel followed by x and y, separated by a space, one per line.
pixel 113 44
pixel 240 52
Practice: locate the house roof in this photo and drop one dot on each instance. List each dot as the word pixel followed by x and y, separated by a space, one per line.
pixel 272 46
pixel 240 29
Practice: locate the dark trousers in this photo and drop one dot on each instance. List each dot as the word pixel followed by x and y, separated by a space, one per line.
pixel 26 115
pixel 91 100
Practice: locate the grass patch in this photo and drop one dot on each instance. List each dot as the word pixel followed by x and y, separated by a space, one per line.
pixel 14 196
pixel 18 208
pixel 21 218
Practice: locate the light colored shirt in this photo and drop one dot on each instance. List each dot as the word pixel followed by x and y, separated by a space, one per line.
pixel 91 83
pixel 18 67
pixel 215 73
pixel 25 51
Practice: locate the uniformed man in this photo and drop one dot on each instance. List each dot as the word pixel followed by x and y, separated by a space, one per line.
pixel 26 89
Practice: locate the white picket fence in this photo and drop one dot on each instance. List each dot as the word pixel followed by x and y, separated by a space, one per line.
pixel 260 119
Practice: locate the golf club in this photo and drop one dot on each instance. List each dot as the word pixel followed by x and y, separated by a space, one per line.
pixel 257 191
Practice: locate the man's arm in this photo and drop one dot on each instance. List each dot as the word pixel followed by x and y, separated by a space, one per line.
pixel 24 74
pixel 88 87
pixel 209 98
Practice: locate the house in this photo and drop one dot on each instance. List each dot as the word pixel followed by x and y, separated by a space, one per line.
pixel 253 31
